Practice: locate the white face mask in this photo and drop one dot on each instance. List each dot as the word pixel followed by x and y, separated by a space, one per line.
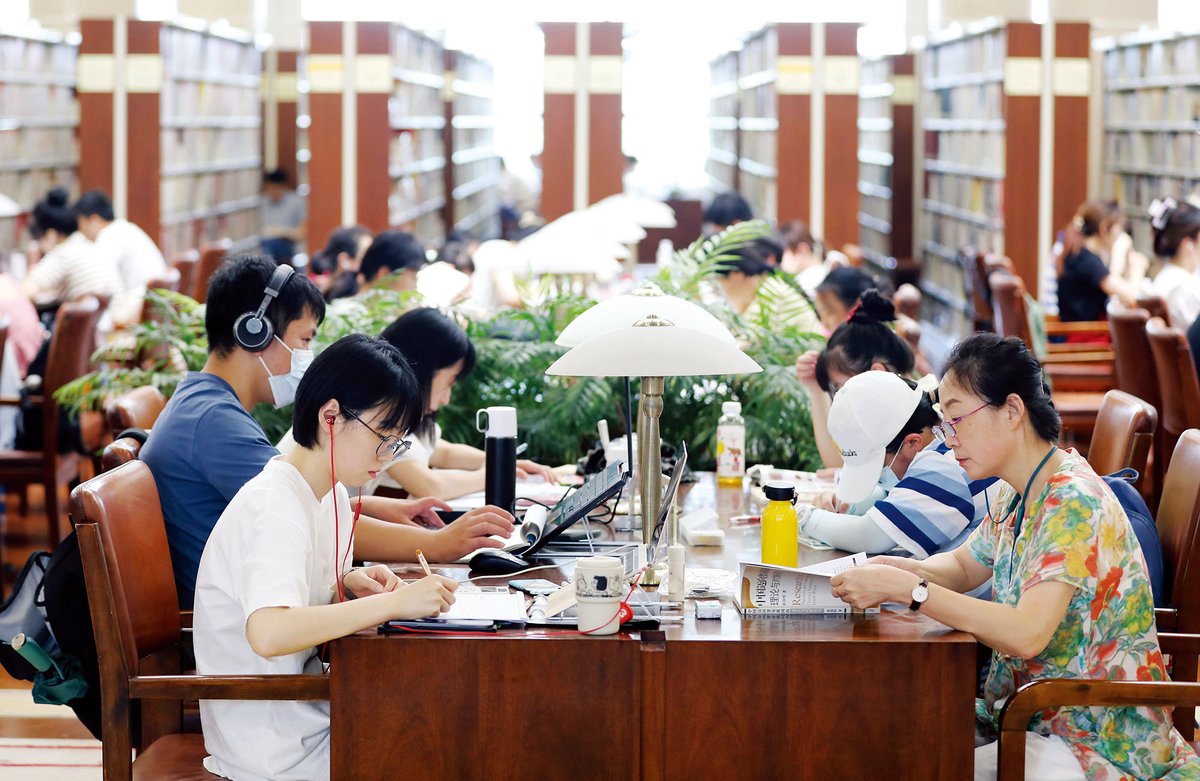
pixel 283 386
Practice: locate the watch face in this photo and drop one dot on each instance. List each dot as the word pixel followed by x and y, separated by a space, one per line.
pixel 920 593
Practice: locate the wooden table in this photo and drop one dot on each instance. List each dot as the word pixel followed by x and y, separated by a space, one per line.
pixel 882 696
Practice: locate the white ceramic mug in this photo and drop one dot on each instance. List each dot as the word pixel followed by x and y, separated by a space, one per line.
pixel 599 589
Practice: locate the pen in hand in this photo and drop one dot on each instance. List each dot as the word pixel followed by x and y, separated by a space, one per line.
pixel 424 563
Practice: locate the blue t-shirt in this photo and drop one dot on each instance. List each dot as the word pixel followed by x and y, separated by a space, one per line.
pixel 203 448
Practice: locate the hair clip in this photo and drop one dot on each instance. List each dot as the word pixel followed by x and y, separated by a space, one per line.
pixel 928 383
pixel 853 310
pixel 1160 211
pixel 1078 223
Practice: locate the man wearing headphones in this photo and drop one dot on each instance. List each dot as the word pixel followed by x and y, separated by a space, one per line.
pixel 260 320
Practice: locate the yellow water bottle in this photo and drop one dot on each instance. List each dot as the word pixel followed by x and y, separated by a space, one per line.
pixel 780 538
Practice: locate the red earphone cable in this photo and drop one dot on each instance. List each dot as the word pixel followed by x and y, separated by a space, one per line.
pixel 337 574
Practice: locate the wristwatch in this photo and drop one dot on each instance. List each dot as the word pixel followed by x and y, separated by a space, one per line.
pixel 920 593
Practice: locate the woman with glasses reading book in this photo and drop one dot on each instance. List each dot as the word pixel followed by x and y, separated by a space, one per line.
pixel 1071 596
pixel 276 572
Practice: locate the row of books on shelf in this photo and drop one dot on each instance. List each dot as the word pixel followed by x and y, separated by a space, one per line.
pixel 759 53
pixel 1128 151
pixel 979 198
pixel 1136 192
pixel 194 100
pixel 944 275
pixel 874 71
pixel 1152 106
pixel 473 141
pixel 974 101
pixel 983 52
pixel 724 69
pixel 975 150
pixel 725 106
pixel 760 148
pixel 1154 59
pixel 472 105
pixel 28 186
pixel 875 108
pixel 208 147
pixel 31 147
pixel 876 206
pixel 721 173
pixel 874 176
pixel 762 193
pixel 875 141
pixel 29 58
pixel 176 239
pixel 415 100
pixel 40 102
pixel 412 192
pixel 414 51
pixel 760 101
pixel 477 173
pixel 193 54
pixel 415 151
pixel 873 242
pixel 950 232
pixel 226 191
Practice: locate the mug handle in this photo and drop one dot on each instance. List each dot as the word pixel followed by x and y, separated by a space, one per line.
pixel 482 429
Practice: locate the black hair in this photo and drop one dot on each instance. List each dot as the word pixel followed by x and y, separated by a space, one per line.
pixel 394 251
pixel 238 287
pixel 848 284
pixel 276 176
pixel 923 417
pixel 1181 221
pixel 795 233
pixel 456 250
pixel 344 239
pixel 770 249
pixel 728 208
pixel 865 339
pixel 750 259
pixel 992 367
pixel 431 341
pixel 362 372
pixel 52 213
pixel 94 202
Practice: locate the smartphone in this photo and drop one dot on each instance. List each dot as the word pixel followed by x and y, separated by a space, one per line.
pixel 535 586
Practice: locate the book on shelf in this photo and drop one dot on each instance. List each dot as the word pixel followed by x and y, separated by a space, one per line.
pixel 767 590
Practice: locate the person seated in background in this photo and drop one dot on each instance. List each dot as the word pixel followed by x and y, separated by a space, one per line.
pixel 801 258
pixel 71 265
pixel 282 214
pixel 1071 595
pixel 205 445
pixel 726 209
pixel 739 278
pixel 1084 281
pixel 894 490
pixel 493 278
pixel 839 292
pixel 278 566
pixel 391 262
pixel 447 280
pixel 341 256
pixel 1176 229
pixel 137 257
pixel 25 332
pixel 440 353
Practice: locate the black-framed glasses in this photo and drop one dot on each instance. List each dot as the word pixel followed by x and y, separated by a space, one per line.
pixel 944 430
pixel 393 444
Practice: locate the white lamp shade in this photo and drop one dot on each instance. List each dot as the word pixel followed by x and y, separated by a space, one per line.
pixel 647 212
pixel 653 351
pixel 628 309
pixel 9 207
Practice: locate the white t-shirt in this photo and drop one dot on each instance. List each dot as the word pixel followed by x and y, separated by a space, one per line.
pixel 272 547
pixel 74 268
pixel 1180 289
pixel 137 257
pixel 420 452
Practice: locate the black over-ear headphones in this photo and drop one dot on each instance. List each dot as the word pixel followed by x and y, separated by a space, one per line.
pixel 253 330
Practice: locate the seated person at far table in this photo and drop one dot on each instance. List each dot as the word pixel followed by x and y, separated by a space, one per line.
pixel 440 353
pixel 276 574
pixel 205 445
pixel 894 489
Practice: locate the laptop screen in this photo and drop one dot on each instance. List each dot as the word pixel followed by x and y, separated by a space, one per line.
pixel 658 540
pixel 601 487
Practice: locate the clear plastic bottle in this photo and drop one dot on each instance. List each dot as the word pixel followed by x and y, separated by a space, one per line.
pixel 731 445
pixel 780 527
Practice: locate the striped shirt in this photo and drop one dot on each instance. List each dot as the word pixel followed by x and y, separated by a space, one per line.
pixel 75 268
pixel 932 509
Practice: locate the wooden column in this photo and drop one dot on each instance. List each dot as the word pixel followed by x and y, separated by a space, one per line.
pixel 326 81
pixel 1072 86
pixel 558 118
pixel 1022 117
pixel 606 158
pixel 373 87
pixel 903 97
pixel 281 93
pixel 450 63
pixel 794 86
pixel 840 84
pixel 95 88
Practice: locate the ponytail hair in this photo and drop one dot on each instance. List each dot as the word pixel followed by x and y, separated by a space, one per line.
pixel 53 213
pixel 1090 219
pixel 864 339
pixel 1173 223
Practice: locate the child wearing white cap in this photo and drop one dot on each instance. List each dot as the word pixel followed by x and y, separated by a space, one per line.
pixel 896 489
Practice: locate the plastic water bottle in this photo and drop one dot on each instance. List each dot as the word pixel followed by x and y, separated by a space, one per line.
pixel 731 445
pixel 500 455
pixel 780 527
pixel 664 254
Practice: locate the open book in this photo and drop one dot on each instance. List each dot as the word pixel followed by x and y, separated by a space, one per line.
pixel 770 590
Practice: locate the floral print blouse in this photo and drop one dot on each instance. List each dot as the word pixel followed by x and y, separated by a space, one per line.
pixel 1077 533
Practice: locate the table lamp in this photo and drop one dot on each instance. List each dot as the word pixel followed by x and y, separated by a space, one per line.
pixel 652 348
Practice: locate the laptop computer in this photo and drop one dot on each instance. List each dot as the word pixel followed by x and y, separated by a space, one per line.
pixel 658 540
pixel 597 490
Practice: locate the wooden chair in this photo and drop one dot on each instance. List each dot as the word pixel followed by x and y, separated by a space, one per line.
pixel 1177 383
pixel 69 357
pixel 187 267
pixel 1123 433
pixel 1136 375
pixel 138 408
pixel 1155 305
pixel 169 282
pixel 120 451
pixel 908 301
pixel 211 258
pixel 136 621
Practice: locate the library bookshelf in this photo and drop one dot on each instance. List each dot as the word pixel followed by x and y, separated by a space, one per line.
pixel 473 174
pixel 885 161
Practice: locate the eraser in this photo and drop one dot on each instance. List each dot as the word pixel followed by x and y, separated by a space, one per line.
pixel 699 527
pixel 704 537
pixel 708 609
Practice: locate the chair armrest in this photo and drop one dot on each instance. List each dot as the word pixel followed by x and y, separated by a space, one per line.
pixel 185 619
pixel 1089 356
pixel 1177 643
pixel 1076 326
pixel 229 687
pixel 1165 618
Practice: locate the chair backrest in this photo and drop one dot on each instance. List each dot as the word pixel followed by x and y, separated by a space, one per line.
pixel 211 258
pixel 168 282
pixel 1177 380
pixel 1122 435
pixel 127 563
pixel 1177 521
pixel 1008 306
pixel 187 267
pixel 1132 362
pixel 120 451
pixel 139 408
pixel 70 350
pixel 1155 305
pixel 908 301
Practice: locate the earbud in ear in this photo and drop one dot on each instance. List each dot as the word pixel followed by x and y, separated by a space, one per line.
pixel 329 418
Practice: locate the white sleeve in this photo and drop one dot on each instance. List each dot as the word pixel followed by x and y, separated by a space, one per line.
pixel 848 532
pixel 275 565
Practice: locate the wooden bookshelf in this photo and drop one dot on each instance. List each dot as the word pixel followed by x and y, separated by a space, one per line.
pixel 417 157
pixel 758 122
pixel 193 130
pixel 1151 124
pixel 885 161
pixel 473 175
pixel 724 109
pixel 38 119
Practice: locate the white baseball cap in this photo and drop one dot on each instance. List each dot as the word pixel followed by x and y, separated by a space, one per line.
pixel 867 413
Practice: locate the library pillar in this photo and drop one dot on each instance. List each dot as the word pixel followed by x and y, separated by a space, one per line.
pixel 325 77
pixel 280 111
pixel 582 159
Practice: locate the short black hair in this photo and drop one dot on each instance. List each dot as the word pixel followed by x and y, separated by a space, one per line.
pixel 431 341
pixel 923 417
pixel 1180 222
pixel 51 213
pixel 848 284
pixel 94 202
pixel 238 287
pixel 344 239
pixel 362 372
pixel 728 208
pixel 276 176
pixel 750 259
pixel 394 251
pixel 992 367
pixel 864 339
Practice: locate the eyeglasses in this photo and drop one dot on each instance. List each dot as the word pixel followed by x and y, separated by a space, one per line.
pixel 944 430
pixel 394 444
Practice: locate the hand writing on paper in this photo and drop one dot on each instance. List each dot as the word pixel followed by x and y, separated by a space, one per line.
pixel 872 584
pixel 827 501
pixel 376 579
pixel 426 597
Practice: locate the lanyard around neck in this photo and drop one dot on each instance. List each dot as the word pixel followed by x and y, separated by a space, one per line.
pixel 1021 506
